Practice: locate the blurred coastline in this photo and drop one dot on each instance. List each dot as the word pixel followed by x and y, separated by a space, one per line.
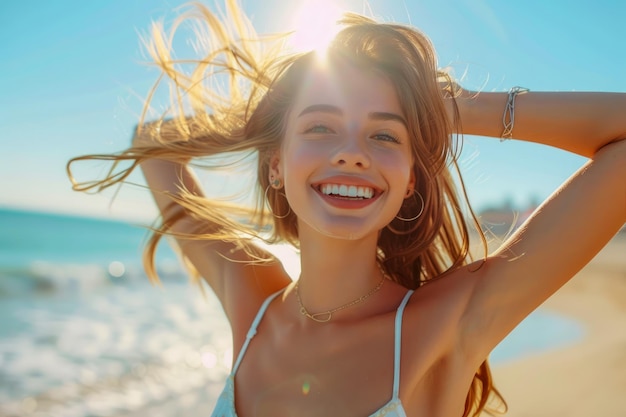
pixel 83 333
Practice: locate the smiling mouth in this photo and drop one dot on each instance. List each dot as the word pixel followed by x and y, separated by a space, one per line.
pixel 352 192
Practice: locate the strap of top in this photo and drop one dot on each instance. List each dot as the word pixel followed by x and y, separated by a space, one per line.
pixel 397 341
pixel 398 344
pixel 253 328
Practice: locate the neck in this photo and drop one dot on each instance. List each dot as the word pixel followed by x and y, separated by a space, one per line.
pixel 336 272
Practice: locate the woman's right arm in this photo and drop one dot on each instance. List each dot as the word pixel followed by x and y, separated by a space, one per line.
pixel 228 270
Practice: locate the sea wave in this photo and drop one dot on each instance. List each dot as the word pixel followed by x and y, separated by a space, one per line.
pixel 49 277
pixel 108 353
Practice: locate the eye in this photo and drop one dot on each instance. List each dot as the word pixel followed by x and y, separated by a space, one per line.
pixel 387 137
pixel 318 128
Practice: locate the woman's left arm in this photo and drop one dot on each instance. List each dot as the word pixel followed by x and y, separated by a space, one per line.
pixel 578 122
pixel 569 228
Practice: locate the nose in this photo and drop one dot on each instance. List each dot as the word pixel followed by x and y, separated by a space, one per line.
pixel 351 154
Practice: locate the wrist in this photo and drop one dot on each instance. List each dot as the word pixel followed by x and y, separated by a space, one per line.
pixel 163 131
pixel 146 134
pixel 481 113
pixel 154 140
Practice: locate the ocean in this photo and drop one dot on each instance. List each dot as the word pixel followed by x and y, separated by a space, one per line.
pixel 84 334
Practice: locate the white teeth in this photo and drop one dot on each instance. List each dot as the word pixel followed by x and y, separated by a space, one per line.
pixel 347 190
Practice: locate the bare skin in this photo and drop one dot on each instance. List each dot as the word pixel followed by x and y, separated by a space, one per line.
pixel 295 366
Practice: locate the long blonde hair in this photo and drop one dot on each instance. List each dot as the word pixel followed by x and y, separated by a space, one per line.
pixel 248 117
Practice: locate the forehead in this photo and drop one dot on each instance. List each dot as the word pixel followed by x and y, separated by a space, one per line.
pixel 348 87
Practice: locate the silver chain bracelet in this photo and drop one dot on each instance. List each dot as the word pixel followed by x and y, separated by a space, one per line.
pixel 508 118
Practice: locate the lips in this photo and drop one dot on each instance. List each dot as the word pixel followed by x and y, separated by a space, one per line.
pixel 347 193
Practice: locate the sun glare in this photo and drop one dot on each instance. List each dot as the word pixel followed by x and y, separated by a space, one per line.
pixel 315 25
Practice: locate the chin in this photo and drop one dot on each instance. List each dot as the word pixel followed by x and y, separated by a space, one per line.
pixel 346 231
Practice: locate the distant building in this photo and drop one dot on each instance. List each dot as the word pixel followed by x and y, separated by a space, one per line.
pixel 501 222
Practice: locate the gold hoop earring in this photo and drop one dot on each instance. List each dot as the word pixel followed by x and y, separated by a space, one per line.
pixel 276 184
pixel 418 214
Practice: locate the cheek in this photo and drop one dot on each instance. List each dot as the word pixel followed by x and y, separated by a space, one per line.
pixel 298 158
pixel 296 164
pixel 399 166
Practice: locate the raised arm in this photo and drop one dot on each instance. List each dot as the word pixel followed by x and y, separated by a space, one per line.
pixel 570 227
pixel 225 267
pixel 581 123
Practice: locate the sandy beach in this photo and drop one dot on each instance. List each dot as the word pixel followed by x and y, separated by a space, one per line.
pixel 587 378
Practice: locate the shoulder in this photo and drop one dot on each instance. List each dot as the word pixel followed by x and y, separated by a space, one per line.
pixel 434 312
pixel 441 321
pixel 434 363
pixel 445 298
pixel 246 288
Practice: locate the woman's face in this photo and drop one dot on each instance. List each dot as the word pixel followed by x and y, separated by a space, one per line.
pixel 345 161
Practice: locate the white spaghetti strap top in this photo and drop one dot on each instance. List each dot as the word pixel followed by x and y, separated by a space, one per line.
pixel 225 406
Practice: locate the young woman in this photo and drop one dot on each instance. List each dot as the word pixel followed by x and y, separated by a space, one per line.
pixel 356 151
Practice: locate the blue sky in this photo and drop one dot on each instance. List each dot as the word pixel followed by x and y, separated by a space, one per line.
pixel 72 80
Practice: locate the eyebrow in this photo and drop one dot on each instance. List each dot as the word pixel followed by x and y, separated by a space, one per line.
pixel 379 115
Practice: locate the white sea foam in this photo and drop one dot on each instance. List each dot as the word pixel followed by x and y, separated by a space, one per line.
pixel 111 353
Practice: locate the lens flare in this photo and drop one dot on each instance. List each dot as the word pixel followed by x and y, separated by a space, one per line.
pixel 315 25
pixel 116 269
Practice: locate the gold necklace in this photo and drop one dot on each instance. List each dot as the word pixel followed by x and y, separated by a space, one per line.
pixel 325 316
